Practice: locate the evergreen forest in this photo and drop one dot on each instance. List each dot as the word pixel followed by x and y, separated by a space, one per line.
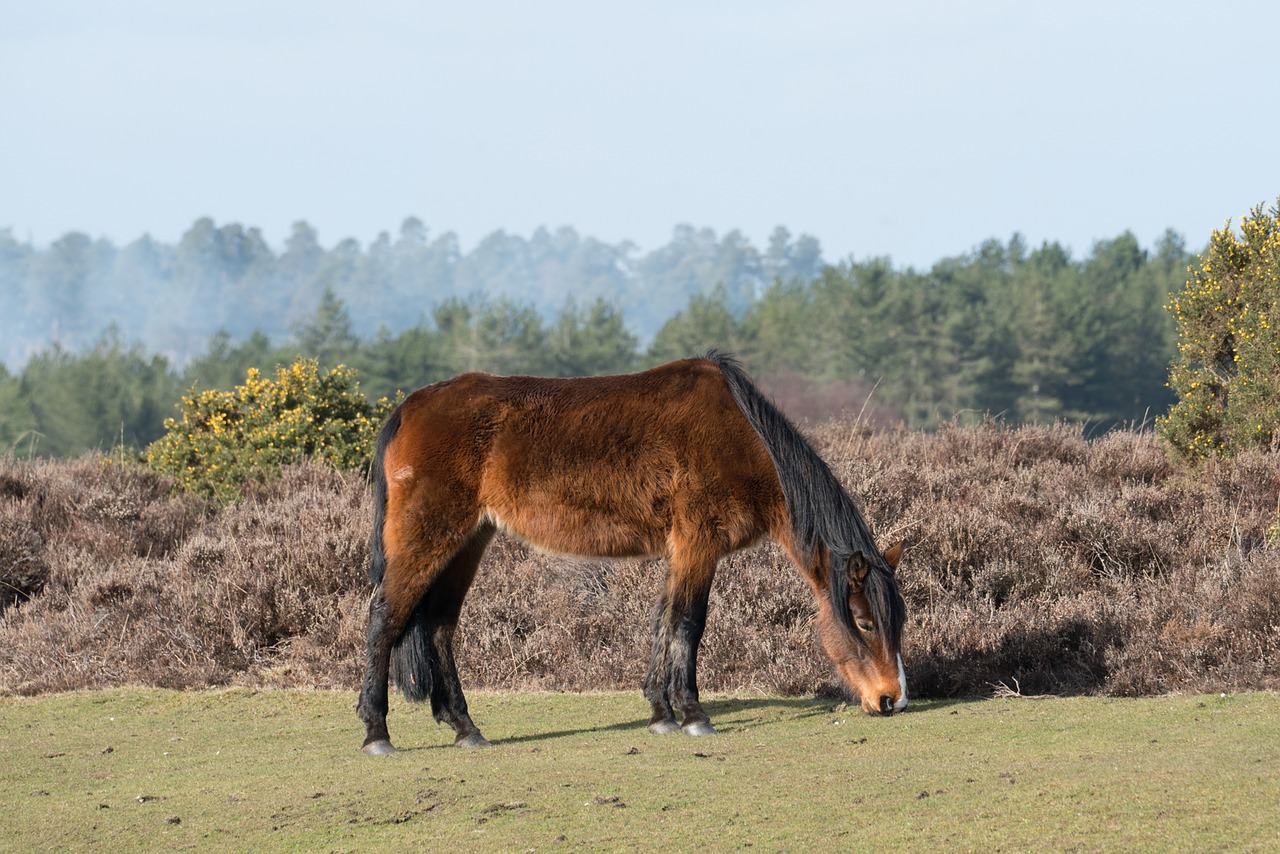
pixel 99 342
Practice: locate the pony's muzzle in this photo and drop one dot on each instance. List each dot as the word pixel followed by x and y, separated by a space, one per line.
pixel 889 705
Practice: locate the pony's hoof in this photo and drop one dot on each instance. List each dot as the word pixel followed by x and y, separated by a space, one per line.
pixel 473 740
pixel 699 728
pixel 381 747
pixel 664 727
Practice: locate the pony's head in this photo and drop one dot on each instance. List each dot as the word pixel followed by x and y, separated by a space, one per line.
pixel 866 650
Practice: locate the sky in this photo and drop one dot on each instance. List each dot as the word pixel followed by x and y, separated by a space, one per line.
pixel 910 130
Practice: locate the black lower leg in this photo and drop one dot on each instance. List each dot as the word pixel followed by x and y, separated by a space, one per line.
pixel 372 706
pixel 683 690
pixel 448 703
pixel 663 719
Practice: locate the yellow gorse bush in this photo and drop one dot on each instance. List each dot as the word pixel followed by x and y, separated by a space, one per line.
pixel 1227 369
pixel 224 439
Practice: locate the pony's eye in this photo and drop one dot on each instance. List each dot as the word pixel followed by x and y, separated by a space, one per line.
pixel 866 626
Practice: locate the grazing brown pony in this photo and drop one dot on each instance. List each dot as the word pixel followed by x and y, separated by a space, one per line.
pixel 687 460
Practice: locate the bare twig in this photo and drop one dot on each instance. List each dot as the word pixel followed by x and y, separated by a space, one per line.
pixel 1001 691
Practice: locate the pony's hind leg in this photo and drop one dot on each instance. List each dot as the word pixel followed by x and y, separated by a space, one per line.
pixel 372 706
pixel 443 604
pixel 396 628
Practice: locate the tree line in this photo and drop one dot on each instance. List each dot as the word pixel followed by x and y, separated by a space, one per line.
pixel 1030 334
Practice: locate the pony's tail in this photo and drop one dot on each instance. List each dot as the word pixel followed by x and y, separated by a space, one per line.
pixel 411 652
pixel 377 556
pixel 411 657
pixel 807 483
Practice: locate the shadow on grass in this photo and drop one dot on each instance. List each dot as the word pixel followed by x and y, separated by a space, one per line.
pixel 730 714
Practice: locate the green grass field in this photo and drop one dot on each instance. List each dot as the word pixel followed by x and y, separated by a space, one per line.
pixel 254 770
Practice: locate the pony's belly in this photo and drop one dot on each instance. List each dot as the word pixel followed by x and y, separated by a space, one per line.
pixel 565 531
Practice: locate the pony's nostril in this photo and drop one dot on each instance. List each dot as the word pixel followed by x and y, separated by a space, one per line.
pixel 886 704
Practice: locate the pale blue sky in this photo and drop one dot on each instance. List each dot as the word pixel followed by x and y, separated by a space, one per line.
pixel 908 129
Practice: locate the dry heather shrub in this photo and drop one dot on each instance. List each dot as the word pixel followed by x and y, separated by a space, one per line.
pixel 172 594
pixel 23 570
pixel 272 582
pixel 1072 566
pixel 1048 645
pixel 116 509
pixel 543 622
pixel 94 505
pixel 761 633
pixel 122 625
pixel 806 399
pixel 1127 455
pixel 1213 627
pixel 538 621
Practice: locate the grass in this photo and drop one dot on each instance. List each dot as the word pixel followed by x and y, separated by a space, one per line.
pixel 128 769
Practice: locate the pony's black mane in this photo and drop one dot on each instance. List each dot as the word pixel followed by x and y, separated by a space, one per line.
pixel 823 515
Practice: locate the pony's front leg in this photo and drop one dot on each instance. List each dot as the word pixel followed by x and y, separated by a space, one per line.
pixel 684 666
pixel 672 683
pixel 372 706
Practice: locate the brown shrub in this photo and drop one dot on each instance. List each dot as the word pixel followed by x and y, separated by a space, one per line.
pixel 1072 566
pixel 23 571
pixel 806 399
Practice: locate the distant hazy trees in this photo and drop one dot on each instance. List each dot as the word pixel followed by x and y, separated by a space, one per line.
pixel 171 298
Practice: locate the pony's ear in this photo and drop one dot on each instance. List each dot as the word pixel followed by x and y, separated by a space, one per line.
pixel 893 554
pixel 858 568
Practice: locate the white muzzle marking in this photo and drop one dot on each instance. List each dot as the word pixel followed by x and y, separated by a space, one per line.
pixel 902 685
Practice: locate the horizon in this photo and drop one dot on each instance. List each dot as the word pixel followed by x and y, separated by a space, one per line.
pixel 277 246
